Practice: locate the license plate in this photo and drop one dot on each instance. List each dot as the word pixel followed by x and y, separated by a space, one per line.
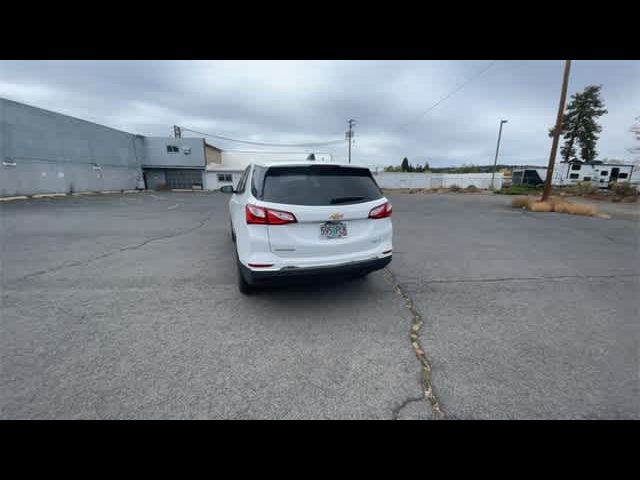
pixel 333 230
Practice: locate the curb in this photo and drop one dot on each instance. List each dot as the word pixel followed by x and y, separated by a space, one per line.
pixel 10 199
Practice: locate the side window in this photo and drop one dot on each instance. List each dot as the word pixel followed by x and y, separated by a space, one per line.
pixel 243 180
pixel 257 181
pixel 622 175
pixel 604 173
pixel 574 175
pixel 586 179
pixel 575 167
pixel 172 149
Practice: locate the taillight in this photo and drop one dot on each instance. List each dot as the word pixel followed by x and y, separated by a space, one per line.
pixel 256 214
pixel 266 216
pixel 381 211
pixel 277 217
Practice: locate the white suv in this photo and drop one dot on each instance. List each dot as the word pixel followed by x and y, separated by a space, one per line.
pixel 293 219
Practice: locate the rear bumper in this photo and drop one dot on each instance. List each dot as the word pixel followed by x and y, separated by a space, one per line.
pixel 350 268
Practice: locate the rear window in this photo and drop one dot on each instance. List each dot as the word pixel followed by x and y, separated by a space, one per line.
pixel 315 185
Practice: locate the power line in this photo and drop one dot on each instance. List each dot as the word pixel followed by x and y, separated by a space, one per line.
pixel 249 142
pixel 333 142
pixel 460 87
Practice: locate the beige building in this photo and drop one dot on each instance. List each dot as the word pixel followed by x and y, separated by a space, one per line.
pixel 213 155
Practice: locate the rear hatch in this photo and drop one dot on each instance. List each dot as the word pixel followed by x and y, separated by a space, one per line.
pixel 331 204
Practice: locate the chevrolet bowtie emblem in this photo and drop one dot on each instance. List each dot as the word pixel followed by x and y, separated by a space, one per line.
pixel 336 216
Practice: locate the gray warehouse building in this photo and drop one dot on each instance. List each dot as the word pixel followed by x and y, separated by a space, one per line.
pixel 174 163
pixel 47 152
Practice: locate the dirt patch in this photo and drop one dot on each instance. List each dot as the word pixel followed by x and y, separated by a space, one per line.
pixel 555 204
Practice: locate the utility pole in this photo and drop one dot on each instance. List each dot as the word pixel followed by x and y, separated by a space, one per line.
pixel 177 132
pixel 349 135
pixel 556 132
pixel 495 160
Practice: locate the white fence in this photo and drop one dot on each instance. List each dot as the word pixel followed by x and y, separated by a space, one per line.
pixel 436 180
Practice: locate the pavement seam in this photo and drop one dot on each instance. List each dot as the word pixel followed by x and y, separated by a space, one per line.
pixel 414 338
pixel 114 252
pixel 526 279
pixel 395 413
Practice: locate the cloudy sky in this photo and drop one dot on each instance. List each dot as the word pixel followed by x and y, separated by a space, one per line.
pixel 310 101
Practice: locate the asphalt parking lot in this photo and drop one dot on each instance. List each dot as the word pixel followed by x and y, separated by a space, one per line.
pixel 126 306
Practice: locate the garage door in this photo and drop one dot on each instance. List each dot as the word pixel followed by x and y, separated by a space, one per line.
pixel 184 178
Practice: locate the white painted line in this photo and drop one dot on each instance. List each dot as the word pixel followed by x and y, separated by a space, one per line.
pixel 173 206
pixel 49 195
pixel 9 199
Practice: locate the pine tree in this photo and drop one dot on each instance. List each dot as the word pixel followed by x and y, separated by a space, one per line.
pixel 579 127
pixel 405 165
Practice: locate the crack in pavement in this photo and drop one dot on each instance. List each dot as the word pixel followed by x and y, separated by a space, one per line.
pixel 528 279
pixel 414 337
pixel 395 413
pixel 114 252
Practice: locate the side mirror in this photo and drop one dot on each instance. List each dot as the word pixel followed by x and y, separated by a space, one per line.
pixel 227 189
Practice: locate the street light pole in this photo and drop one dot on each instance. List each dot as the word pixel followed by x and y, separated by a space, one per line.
pixel 495 161
pixel 350 135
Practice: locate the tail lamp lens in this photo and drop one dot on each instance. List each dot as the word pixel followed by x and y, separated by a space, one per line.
pixel 265 216
pixel 382 211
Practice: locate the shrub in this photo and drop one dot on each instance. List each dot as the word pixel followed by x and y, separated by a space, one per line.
pixel 520 202
pixel 555 204
pixel 455 188
pixel 580 209
pixel 583 188
pixel 623 189
pixel 562 206
pixel 540 206
pixel 472 188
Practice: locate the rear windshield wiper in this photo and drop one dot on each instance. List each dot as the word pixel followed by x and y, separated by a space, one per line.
pixel 333 201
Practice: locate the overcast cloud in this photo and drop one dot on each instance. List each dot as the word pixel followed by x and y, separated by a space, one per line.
pixel 310 101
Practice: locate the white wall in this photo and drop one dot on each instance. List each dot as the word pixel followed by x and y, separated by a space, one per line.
pixel 392 179
pixel 211 179
pixel 433 180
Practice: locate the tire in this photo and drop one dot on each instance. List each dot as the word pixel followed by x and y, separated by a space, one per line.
pixel 244 287
pixel 362 274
